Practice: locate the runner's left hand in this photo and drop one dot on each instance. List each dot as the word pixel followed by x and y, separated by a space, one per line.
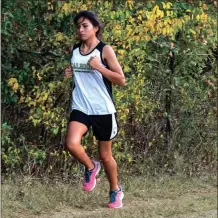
pixel 94 62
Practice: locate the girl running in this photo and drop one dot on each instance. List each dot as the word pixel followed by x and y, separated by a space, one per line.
pixel 95 68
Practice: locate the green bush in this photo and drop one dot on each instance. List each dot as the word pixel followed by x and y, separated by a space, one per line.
pixel 165 111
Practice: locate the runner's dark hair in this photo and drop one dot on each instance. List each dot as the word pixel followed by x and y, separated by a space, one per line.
pixel 93 18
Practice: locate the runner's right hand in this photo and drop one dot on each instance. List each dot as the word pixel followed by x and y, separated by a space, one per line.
pixel 68 72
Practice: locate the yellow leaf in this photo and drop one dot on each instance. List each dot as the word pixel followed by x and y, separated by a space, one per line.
pixel 32 103
pixel 147 38
pixel 51 85
pixel 168 4
pixel 39 77
pixel 149 23
pixel 140 17
pixel 121 51
pixel 130 1
pixel 11 81
pixel 117 32
pixel 156 7
pixel 164 5
pixel 204 16
pixel 192 31
pixel 15 87
pixel 35 122
pixel 160 13
pixel 22 90
pixel 84 7
pixel 28 99
pixel 45 96
pixel 66 8
pixel 59 36
pixel 164 31
pixel 126 68
pixel 21 99
pixel 38 93
pixel 129 4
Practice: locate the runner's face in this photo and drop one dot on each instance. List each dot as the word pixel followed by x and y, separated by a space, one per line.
pixel 85 29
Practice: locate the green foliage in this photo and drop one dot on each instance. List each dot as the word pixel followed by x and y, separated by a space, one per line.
pixel 36 93
pixel 10 153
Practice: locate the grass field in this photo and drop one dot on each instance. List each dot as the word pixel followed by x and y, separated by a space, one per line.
pixel 172 197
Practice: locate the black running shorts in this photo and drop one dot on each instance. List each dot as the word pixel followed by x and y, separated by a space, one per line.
pixel 104 126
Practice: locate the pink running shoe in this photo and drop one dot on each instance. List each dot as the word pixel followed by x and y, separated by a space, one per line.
pixel 90 177
pixel 116 197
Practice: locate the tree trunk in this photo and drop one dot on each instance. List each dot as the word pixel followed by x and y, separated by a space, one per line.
pixel 168 105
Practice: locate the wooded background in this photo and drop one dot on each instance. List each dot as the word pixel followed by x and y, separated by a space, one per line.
pixel 166 111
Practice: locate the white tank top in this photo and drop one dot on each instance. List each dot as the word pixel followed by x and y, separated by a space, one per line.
pixel 92 92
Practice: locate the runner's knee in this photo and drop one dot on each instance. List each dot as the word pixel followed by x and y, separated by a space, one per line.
pixel 105 157
pixel 72 144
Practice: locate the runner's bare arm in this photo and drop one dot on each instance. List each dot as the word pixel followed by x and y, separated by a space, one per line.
pixel 115 74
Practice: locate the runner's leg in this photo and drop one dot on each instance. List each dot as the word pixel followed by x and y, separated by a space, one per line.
pixel 73 143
